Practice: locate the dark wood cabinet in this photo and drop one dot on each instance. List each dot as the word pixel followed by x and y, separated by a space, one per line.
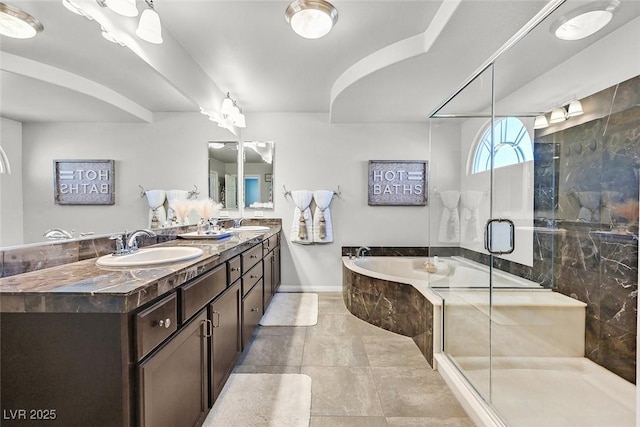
pixel 251 312
pixel 173 381
pixel 225 346
pixel 268 290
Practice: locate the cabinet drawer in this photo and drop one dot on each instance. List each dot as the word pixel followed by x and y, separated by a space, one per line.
pixel 251 257
pixel 198 293
pixel 269 244
pixel 234 270
pixel 250 278
pixel 154 324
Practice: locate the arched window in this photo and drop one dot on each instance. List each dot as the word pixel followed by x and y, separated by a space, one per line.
pixel 512 145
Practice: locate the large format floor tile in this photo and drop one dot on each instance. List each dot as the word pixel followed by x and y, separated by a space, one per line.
pixel 362 375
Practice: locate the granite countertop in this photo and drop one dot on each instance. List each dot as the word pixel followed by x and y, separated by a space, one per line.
pixel 84 287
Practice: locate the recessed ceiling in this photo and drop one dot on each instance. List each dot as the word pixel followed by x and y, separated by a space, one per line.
pixel 247 48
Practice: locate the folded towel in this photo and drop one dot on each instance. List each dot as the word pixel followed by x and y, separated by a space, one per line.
pixel 322 226
pixel 302 225
pixel 450 221
pixel 157 213
pixel 470 216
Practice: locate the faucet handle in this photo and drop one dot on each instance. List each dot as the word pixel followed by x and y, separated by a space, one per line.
pixel 119 243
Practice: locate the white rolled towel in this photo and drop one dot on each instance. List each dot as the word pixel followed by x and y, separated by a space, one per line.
pixel 450 221
pixel 155 199
pixel 302 224
pixel 322 226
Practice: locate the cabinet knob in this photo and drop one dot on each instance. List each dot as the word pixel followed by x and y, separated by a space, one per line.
pixel 253 276
pixel 256 309
pixel 166 323
pixel 235 269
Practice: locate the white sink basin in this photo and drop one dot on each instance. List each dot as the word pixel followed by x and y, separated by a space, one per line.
pixel 251 228
pixel 150 256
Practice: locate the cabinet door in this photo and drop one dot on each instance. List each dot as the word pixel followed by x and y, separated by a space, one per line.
pixel 251 312
pixel 173 380
pixel 225 338
pixel 268 279
pixel 276 269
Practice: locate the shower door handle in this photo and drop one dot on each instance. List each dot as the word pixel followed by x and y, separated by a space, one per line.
pixel 499 236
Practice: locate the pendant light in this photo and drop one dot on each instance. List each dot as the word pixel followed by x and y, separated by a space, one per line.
pixel 149 27
pixel 575 109
pixel 227 105
pixel 311 19
pixel 123 7
pixel 18 24
pixel 558 115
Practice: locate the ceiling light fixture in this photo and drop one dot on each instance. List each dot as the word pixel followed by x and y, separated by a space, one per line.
pixel 585 21
pixel 558 115
pixel 540 122
pixel 18 24
pixel 311 19
pixel 121 7
pixel 149 27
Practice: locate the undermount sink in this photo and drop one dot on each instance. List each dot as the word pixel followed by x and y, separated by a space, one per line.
pixel 150 256
pixel 251 228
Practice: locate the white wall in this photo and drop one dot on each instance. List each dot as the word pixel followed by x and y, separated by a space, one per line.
pixel 11 184
pixel 169 154
pixel 312 154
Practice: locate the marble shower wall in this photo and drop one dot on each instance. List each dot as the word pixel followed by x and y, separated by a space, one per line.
pixel 586 197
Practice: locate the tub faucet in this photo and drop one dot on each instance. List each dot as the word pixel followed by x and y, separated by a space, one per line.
pixel 132 244
pixel 361 251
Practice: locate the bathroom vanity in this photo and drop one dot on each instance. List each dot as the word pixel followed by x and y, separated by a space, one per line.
pixel 83 345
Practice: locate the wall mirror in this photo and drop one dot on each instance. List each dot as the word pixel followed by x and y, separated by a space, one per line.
pixel 223 173
pixel 258 174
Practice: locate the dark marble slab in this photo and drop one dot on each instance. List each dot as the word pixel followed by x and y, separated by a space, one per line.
pixel 396 307
pixel 82 286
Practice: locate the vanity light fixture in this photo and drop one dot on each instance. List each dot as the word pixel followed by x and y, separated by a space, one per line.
pixel 574 109
pixel 311 19
pixel 540 122
pixel 121 7
pixel 558 115
pixel 240 120
pixel 585 20
pixel 18 24
pixel 149 27
pixel 227 105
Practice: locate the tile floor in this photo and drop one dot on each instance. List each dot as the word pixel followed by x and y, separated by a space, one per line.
pixel 363 376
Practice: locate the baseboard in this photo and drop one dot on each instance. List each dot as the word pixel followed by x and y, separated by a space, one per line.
pixel 301 288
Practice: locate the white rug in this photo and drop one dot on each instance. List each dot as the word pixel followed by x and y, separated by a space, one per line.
pixel 291 309
pixel 263 400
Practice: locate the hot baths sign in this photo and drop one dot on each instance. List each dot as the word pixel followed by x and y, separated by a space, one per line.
pixel 84 182
pixel 397 183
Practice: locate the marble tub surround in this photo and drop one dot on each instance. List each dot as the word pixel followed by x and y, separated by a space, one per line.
pixel 84 287
pixel 396 307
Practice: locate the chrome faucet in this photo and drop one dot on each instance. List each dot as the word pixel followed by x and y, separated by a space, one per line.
pixel 58 233
pixel 127 243
pixel 361 251
pixel 132 244
pixel 237 222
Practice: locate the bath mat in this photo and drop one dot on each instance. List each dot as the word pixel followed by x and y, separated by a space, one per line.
pixel 291 309
pixel 263 400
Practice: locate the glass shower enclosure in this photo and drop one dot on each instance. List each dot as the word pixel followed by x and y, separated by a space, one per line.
pixel 538 227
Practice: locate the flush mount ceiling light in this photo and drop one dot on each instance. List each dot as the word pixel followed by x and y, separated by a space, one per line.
pixel 18 24
pixel 311 19
pixel 149 27
pixel 585 21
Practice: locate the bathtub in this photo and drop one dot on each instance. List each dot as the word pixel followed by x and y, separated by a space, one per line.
pixel 459 272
